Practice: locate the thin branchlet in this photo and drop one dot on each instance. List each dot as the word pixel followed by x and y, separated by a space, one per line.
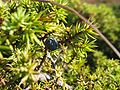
pixel 39 67
pixel 88 22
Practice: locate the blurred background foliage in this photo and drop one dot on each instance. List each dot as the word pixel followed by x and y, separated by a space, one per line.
pixel 76 65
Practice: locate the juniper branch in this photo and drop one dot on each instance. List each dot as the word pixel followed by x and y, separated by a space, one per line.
pixel 88 22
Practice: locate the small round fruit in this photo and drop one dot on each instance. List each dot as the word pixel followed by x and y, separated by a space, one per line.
pixel 51 44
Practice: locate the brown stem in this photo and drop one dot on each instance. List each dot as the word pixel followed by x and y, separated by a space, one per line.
pixel 43 60
pixel 70 38
pixel 88 22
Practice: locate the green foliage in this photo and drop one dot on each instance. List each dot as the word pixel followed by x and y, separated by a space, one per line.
pixel 106 19
pixel 107 72
pixel 26 63
pixel 24 60
pixel 101 73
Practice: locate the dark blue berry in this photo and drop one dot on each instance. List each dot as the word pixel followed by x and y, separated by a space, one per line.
pixel 51 44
